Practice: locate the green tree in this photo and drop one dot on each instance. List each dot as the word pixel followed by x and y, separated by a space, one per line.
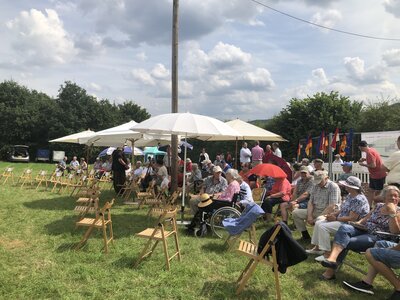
pixel 381 116
pixel 309 116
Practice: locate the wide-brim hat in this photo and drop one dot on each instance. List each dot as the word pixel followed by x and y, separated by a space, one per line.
pixel 351 182
pixel 205 200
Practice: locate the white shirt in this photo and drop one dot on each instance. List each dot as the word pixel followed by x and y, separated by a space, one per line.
pixel 245 193
pixel 245 155
pixel 338 161
pixel 138 172
pixel 393 164
pixel 278 152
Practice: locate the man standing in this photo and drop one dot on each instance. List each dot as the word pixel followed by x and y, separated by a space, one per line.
pixel 245 154
pixel 119 165
pixel 257 154
pixel 377 172
pixel 277 151
pixel 324 194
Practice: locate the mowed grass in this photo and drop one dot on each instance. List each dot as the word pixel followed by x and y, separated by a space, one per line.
pixel 37 233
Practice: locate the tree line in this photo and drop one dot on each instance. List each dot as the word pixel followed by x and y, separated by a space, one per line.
pixel 33 118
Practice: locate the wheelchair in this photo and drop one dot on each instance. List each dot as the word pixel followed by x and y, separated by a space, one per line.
pixel 212 216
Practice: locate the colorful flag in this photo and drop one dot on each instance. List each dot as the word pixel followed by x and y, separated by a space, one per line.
pixel 322 143
pixel 335 139
pixel 308 145
pixel 298 149
pixel 349 142
pixel 343 144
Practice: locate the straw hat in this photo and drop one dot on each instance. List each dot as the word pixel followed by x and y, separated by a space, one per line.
pixel 205 200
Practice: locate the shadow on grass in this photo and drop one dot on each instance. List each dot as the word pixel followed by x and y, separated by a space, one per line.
pixel 66 247
pixel 125 262
pixel 59 203
pixel 124 225
pixel 227 290
pixel 217 246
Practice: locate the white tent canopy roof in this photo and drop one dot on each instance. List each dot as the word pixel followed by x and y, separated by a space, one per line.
pixel 75 138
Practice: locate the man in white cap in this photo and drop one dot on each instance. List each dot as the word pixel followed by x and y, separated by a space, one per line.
pixel 324 194
pixel 212 184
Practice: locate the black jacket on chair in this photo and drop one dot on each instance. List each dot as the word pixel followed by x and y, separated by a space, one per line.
pixel 289 251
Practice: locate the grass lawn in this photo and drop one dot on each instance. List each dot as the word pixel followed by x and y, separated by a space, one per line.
pixel 36 261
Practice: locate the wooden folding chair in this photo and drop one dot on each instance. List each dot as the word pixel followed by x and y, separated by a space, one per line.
pixel 148 194
pixel 66 182
pixel 250 250
pixel 105 178
pixel 101 221
pixel 26 177
pixel 7 174
pixel 81 183
pixel 40 178
pixel 55 179
pixel 162 201
pixel 89 204
pixel 166 220
pixel 231 240
pixel 257 193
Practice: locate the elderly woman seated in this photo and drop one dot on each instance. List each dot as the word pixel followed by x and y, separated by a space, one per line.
pixel 195 179
pixel 363 234
pixel 232 189
pixel 353 209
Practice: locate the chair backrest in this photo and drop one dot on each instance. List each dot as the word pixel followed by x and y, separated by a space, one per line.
pixel 271 241
pixel 257 193
pixel 106 209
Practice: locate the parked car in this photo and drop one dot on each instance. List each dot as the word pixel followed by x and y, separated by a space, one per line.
pixel 19 153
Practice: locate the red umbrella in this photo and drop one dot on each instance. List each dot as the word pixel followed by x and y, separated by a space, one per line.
pixel 267 170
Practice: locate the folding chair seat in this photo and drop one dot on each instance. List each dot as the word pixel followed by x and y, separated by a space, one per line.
pixel 7 174
pixel 250 250
pixel 26 177
pixel 89 204
pixel 164 228
pixel 105 178
pixel 101 221
pixel 40 178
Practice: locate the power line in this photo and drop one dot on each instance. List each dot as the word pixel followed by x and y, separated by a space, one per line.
pixel 325 27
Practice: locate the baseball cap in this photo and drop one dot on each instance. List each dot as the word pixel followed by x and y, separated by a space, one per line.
pixel 319 176
pixel 347 164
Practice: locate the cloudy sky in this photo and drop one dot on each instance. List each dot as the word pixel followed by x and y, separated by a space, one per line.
pixel 237 58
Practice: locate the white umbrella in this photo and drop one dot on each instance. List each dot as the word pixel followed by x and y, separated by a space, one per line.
pixel 119 135
pixel 75 138
pixel 249 131
pixel 188 125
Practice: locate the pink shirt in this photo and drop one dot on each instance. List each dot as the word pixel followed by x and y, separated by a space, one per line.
pixel 227 195
pixel 257 153
pixel 377 172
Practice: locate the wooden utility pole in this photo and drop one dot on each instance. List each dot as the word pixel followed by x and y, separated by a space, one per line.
pixel 174 80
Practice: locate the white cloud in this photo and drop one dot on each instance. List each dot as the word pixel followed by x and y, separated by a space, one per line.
pixel 226 56
pixel 320 76
pixel 41 38
pixel 94 86
pixel 393 7
pixel 141 56
pixel 357 71
pixel 328 18
pixel 160 72
pixel 142 76
pixel 392 57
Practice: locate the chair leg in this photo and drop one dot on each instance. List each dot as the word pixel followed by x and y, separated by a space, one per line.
pixel 105 239
pixel 165 246
pixel 177 245
pixel 276 274
pixel 85 237
pixel 145 253
pixel 246 275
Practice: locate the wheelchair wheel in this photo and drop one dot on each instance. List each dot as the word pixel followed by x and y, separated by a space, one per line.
pixel 218 216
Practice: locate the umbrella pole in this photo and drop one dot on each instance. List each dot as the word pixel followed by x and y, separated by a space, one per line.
pixel 236 151
pixel 184 182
